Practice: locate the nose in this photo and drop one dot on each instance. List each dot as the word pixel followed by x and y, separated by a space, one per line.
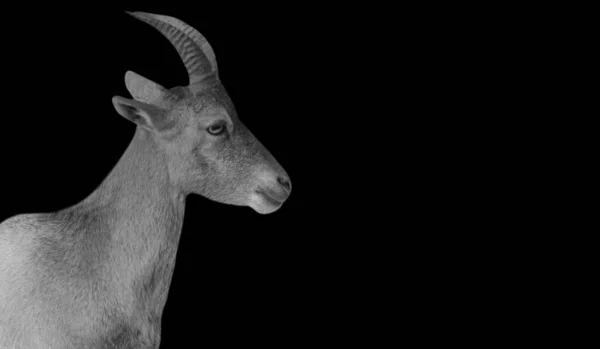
pixel 285 183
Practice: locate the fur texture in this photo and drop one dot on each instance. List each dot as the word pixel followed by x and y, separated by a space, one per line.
pixel 96 275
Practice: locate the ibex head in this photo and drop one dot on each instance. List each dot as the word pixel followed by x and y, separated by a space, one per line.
pixel 208 150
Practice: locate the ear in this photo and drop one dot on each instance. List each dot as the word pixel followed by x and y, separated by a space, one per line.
pixel 145 115
pixel 144 90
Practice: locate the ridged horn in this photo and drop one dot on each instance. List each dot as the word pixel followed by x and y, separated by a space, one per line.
pixel 193 48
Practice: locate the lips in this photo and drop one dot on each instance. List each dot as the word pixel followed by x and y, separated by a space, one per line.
pixel 271 197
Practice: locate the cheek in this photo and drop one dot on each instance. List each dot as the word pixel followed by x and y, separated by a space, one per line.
pixel 223 172
pixel 209 167
pixel 200 167
pixel 201 157
pixel 203 164
pixel 230 166
pixel 222 162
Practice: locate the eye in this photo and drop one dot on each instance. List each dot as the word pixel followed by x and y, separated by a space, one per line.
pixel 216 129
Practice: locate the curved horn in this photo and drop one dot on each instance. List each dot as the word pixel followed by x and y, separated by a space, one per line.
pixel 193 48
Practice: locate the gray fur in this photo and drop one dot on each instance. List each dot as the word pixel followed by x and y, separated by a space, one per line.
pixel 97 274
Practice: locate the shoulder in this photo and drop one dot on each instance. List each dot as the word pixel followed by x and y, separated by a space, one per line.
pixel 17 240
pixel 20 223
pixel 20 230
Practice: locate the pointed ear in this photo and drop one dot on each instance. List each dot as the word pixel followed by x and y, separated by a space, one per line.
pixel 144 90
pixel 145 115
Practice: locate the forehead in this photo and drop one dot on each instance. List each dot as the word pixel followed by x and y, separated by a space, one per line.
pixel 210 102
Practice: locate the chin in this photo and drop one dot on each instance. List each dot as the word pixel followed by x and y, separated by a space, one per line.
pixel 263 203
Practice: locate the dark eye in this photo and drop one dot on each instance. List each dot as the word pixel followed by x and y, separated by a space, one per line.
pixel 216 129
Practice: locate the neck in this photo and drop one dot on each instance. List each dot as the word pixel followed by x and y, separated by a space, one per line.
pixel 145 214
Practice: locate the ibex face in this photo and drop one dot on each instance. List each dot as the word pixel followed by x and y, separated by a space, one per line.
pixel 208 150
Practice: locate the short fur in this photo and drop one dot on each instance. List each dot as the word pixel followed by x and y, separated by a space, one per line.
pixel 96 275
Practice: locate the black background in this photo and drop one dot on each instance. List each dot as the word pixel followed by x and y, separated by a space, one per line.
pixel 240 277
pixel 367 111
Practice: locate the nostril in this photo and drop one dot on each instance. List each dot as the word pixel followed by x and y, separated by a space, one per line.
pixel 284 182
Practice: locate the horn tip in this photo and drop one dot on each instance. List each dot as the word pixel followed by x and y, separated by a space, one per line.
pixel 137 14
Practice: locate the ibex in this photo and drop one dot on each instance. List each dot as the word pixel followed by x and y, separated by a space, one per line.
pixel 97 274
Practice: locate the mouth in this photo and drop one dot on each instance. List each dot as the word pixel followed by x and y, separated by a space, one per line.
pixel 271 197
